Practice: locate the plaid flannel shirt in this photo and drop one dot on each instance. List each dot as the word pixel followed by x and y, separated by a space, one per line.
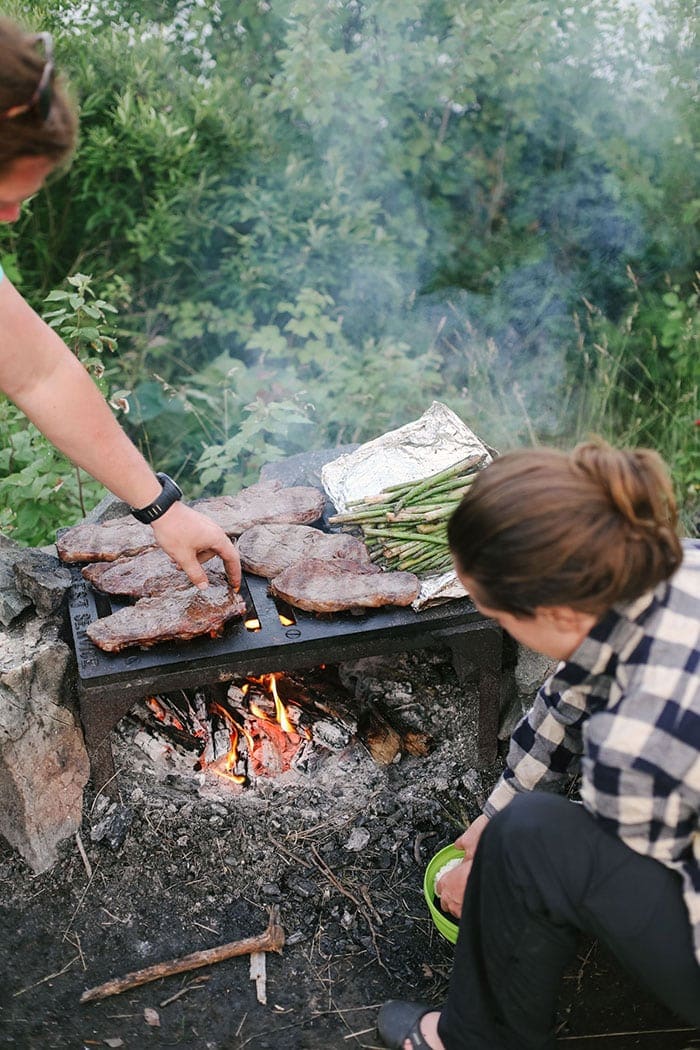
pixel 624 711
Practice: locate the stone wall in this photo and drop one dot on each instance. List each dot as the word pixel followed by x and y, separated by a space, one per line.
pixel 43 762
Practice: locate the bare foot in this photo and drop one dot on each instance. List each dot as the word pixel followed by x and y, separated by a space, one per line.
pixel 428 1027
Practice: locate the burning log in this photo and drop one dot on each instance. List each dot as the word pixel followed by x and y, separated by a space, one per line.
pixel 272 940
pixel 385 737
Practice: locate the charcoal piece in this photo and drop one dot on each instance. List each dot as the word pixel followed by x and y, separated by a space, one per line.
pixel 266 502
pixel 339 584
pixel 179 616
pixel 147 575
pixel 267 550
pixel 113 539
pixel 113 826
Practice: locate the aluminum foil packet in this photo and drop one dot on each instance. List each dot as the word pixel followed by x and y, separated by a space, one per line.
pixel 412 452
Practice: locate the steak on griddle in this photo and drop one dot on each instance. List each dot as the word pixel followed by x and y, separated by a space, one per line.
pixel 179 616
pixel 339 584
pixel 264 503
pixel 112 539
pixel 266 550
pixel 147 574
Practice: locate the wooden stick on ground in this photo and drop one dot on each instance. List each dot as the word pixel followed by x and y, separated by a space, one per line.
pixel 272 940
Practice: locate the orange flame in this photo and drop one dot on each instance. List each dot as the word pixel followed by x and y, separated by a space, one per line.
pixel 223 767
pixel 269 682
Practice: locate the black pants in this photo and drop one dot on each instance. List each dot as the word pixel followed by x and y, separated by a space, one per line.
pixel 545 871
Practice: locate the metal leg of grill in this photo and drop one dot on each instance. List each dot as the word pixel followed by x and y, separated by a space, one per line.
pixel 485 655
pixel 99 717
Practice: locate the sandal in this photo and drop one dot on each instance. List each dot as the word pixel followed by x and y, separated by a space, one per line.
pixel 399 1020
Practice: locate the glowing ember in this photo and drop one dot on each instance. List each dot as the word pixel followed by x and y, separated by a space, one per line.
pixel 162 714
pixel 271 740
pixel 243 730
pixel 223 767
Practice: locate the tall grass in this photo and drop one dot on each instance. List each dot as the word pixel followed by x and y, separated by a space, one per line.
pixel 638 385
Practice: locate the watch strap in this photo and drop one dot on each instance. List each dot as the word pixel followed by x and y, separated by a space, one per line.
pixel 170 493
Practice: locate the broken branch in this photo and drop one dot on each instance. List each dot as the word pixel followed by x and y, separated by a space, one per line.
pixel 272 940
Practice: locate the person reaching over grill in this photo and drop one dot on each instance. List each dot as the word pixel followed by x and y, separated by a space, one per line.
pixel 38 130
pixel 576 555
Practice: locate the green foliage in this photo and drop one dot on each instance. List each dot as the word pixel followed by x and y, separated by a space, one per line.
pixel 325 215
pixel 640 381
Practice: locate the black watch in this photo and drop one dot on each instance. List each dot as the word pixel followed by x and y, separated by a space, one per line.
pixel 170 493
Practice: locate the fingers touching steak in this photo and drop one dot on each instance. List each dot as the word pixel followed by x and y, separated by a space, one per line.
pixel 146 575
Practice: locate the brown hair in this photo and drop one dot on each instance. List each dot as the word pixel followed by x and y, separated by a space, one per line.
pixel 28 134
pixel 585 529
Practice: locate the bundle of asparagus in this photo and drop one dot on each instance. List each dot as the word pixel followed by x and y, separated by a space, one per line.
pixel 405 526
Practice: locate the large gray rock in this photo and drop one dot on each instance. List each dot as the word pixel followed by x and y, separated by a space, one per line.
pixel 12 602
pixel 43 579
pixel 43 762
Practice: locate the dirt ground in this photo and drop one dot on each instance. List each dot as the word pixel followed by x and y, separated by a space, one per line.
pixel 340 852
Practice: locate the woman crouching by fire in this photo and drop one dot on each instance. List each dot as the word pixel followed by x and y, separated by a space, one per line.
pixel 577 556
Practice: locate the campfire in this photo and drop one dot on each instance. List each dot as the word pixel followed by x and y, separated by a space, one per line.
pixel 267 726
pixel 220 730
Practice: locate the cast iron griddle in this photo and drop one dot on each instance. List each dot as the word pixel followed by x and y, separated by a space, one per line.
pixel 274 646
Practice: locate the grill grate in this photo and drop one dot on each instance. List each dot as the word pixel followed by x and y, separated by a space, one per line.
pixel 110 683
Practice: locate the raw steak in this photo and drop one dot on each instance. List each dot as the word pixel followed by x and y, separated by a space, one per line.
pixel 267 550
pixel 147 574
pixel 112 539
pixel 264 503
pixel 179 616
pixel 338 584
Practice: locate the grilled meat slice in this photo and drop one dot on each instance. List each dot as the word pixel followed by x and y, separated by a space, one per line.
pixel 147 574
pixel 179 616
pixel 117 538
pixel 267 550
pixel 339 584
pixel 264 503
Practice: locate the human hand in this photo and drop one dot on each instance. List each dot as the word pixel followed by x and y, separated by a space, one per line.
pixel 190 538
pixel 450 889
pixel 469 839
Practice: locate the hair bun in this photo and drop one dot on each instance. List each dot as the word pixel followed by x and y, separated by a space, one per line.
pixel 635 482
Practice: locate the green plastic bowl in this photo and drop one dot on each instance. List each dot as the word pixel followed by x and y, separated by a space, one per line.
pixel 445 924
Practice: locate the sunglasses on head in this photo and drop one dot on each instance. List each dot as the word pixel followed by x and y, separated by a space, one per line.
pixel 41 99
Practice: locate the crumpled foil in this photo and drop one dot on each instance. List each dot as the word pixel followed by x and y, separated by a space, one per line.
pixel 412 452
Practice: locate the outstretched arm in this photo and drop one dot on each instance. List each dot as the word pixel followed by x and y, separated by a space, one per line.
pixel 47 382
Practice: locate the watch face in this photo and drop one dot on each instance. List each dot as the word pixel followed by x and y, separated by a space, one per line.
pixel 169 483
